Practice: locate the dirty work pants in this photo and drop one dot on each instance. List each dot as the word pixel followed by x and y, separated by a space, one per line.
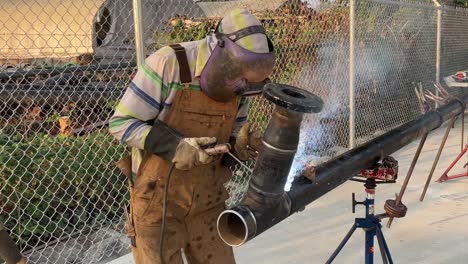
pixel 191 214
pixel 195 197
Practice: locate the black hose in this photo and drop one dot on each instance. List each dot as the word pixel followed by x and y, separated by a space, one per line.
pixel 163 223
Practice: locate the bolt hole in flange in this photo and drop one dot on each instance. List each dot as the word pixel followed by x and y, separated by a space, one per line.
pixel 292 98
pixel 293 93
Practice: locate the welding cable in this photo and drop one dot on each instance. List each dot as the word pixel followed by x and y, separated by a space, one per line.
pixel 163 223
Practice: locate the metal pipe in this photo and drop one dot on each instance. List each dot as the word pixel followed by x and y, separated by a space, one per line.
pixel 408 175
pixel 138 23
pixel 333 173
pixel 438 45
pixel 434 164
pixel 462 130
pixel 352 113
pixel 266 201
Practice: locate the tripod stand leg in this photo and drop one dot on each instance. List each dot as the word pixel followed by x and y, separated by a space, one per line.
pixel 342 244
pixel 383 246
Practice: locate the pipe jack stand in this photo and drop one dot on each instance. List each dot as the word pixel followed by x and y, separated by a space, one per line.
pixel 446 177
pixel 372 228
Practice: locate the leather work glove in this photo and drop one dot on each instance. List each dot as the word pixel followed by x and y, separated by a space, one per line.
pixel 170 145
pixel 189 153
pixel 247 142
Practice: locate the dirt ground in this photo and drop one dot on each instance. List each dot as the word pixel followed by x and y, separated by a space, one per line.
pixel 434 231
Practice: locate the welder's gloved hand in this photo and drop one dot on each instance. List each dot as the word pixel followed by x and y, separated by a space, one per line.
pixel 170 145
pixel 190 153
pixel 247 143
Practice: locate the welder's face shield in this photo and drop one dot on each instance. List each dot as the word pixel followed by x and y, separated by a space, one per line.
pixel 233 70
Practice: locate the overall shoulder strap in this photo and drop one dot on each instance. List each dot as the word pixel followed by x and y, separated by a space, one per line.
pixel 184 68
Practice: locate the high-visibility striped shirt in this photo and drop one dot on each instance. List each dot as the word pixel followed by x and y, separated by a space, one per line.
pixel 152 90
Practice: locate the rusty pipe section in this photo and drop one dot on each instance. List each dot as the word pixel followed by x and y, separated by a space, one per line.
pixel 248 220
pixel 266 203
pixel 335 172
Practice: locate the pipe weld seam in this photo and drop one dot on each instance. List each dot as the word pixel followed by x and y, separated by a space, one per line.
pixel 270 194
pixel 278 149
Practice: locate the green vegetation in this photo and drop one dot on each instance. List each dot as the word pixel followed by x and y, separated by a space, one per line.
pixel 51 186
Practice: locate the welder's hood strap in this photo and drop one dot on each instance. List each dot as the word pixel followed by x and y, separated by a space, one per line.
pixel 184 68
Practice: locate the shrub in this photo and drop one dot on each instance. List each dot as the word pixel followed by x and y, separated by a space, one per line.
pixel 51 186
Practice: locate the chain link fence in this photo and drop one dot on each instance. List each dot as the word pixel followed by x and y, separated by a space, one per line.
pixel 65 64
pixel 453 44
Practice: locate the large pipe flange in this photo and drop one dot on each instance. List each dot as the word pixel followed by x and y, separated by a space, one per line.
pixel 292 98
pixel 265 200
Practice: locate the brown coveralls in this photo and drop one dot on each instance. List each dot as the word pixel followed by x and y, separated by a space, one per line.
pixel 195 198
pixel 9 251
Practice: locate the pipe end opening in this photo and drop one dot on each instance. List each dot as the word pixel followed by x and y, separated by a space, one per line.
pixel 232 228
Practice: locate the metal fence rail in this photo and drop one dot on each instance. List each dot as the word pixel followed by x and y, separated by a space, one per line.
pixel 64 65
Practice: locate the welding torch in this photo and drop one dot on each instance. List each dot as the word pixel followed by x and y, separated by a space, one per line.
pixel 215 149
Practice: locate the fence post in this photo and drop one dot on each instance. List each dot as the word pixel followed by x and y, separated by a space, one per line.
pixel 137 21
pixel 438 44
pixel 352 113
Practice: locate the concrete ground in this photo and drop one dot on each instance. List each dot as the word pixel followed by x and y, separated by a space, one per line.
pixel 434 231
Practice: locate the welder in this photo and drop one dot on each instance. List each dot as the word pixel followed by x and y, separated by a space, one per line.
pixel 9 252
pixel 183 99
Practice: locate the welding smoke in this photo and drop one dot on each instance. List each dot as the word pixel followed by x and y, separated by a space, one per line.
pixel 326 134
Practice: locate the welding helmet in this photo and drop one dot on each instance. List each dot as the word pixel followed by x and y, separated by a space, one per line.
pixel 241 61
